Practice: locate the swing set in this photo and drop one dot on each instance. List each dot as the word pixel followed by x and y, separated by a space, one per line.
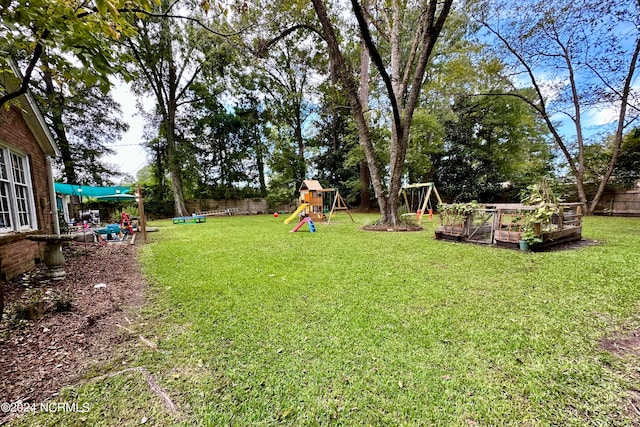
pixel 417 199
pixel 331 197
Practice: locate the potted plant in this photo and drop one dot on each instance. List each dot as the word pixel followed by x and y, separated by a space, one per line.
pixel 528 238
pixel 438 233
pixel 546 205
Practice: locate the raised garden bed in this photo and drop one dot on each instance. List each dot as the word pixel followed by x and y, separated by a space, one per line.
pixel 505 225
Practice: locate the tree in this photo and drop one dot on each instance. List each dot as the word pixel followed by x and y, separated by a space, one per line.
pixel 170 54
pixel 79 36
pixel 402 75
pixel 490 142
pixel 580 57
pixel 225 148
pixel 83 121
pixel 627 172
pixel 339 156
pixel 597 157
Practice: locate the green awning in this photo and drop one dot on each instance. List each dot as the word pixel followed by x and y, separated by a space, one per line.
pixel 89 191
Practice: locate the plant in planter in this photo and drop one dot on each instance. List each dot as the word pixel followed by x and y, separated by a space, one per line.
pixel 545 205
pixel 528 239
pixel 454 216
pixel 529 236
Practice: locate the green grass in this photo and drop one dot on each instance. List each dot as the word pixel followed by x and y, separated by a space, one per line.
pixel 259 326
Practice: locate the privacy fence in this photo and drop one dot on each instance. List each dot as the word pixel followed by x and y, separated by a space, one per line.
pixel 620 203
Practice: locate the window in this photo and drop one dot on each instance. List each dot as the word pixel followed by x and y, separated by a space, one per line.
pixel 17 210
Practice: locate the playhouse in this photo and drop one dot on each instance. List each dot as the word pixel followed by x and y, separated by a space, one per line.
pixel 318 203
pixel 311 193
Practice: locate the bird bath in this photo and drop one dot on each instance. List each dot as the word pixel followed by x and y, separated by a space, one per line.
pixel 54 260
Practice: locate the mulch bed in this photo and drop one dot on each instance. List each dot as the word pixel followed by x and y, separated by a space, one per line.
pixel 52 332
pixel 402 226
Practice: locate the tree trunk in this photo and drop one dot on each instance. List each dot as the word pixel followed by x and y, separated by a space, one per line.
pixel 260 166
pixel 55 108
pixel 619 130
pixel 175 170
pixel 425 39
pixel 365 183
pixel 1 297
pixel 301 167
pixel 365 177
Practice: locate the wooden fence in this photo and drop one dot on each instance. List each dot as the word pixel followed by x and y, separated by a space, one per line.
pixel 620 203
pixel 236 207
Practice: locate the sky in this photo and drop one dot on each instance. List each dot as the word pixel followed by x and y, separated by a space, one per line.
pixel 130 155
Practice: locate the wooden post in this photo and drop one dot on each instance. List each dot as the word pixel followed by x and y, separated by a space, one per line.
pixel 425 202
pixel 339 204
pixel 142 222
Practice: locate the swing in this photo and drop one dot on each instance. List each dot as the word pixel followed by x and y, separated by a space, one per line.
pixel 425 191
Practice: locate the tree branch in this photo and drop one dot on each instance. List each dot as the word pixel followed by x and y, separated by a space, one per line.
pixel 377 60
pixel 541 109
pixel 264 46
pixel 26 78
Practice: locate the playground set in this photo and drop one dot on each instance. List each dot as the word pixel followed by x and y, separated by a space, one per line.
pixel 417 199
pixel 315 203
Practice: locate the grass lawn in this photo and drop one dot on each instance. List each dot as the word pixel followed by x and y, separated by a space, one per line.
pixel 258 326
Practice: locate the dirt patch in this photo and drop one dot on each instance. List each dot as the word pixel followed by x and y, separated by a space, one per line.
pixel 576 244
pixel 403 226
pixel 53 331
pixel 624 346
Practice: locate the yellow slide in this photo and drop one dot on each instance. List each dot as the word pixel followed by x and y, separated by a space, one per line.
pixel 295 214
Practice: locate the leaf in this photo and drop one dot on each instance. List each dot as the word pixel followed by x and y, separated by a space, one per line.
pixel 101 6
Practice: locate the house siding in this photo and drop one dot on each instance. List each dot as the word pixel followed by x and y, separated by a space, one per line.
pixel 18 255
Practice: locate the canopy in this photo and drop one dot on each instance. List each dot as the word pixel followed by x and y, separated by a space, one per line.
pixel 89 191
pixel 119 197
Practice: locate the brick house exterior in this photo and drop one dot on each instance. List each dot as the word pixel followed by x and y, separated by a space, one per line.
pixel 26 149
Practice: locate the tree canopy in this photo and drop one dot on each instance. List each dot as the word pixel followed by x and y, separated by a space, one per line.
pixel 251 98
pixel 79 37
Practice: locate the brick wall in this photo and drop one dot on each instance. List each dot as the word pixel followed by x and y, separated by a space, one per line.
pixel 17 254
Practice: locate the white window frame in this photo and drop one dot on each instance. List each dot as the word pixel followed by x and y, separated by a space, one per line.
pixel 10 184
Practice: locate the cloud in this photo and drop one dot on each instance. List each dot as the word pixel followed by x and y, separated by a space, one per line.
pixel 601 116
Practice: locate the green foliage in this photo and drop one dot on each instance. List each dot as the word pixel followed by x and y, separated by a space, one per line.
pixel 227 148
pixel 427 133
pixel 62 301
pixel 30 308
pixel 456 213
pixel 157 201
pixel 84 122
pixel 598 155
pixel 529 236
pixel 81 42
pixel 493 140
pixel 544 200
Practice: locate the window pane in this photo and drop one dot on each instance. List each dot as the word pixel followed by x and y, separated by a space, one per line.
pixel 3 166
pixel 18 169
pixel 21 201
pixel 5 217
pixel 16 195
